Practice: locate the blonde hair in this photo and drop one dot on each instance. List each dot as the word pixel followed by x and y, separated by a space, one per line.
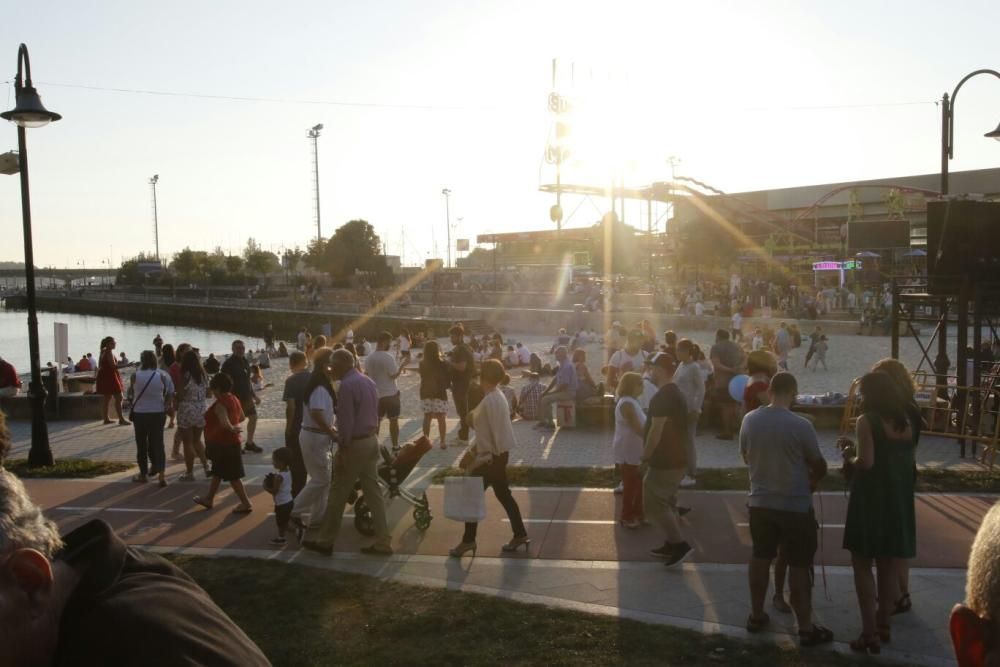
pixel 629 385
pixel 900 376
pixel 982 589
pixel 22 524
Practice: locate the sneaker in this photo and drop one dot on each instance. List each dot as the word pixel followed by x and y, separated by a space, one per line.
pixel 620 489
pixel 278 541
pixel 688 481
pixel 678 554
pixel 663 551
pixel 253 447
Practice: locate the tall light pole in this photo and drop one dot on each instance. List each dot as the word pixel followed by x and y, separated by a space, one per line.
pixel 29 112
pixel 447 217
pixel 948 126
pixel 156 219
pixel 314 135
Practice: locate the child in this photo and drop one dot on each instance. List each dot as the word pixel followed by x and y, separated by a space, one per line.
pixel 531 395
pixel 279 485
pixel 257 378
pixel 630 422
pixel 819 354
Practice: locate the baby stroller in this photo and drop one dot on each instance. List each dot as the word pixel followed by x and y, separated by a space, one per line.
pixel 392 472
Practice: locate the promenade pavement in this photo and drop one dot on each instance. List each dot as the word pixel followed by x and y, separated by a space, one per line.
pixel 562 448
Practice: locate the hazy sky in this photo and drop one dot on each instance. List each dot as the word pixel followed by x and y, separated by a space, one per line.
pixel 453 94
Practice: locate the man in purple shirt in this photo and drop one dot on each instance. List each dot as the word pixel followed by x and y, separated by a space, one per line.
pixel 562 389
pixel 356 459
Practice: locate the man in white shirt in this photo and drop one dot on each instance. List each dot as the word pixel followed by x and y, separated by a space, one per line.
pixel 630 358
pixel 523 354
pixel 381 367
pixel 690 381
pixel 737 322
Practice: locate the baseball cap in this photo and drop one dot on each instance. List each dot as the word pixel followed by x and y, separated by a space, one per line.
pixel 664 360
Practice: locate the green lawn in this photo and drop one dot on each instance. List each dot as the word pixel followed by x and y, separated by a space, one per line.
pixel 303 616
pixel 67 468
pixel 737 479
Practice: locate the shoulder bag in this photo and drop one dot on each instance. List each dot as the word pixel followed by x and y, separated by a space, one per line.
pixel 131 412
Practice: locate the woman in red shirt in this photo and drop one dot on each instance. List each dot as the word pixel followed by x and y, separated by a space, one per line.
pixel 222 444
pixel 109 381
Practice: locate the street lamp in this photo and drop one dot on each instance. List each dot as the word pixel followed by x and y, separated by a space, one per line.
pixel 948 126
pixel 314 135
pixel 156 219
pixel 447 217
pixel 29 112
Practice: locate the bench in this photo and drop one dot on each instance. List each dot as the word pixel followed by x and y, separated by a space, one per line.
pixel 597 413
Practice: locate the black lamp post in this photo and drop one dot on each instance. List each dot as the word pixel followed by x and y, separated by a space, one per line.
pixel 948 126
pixel 29 112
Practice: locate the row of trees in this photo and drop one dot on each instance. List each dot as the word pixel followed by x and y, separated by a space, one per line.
pixel 353 250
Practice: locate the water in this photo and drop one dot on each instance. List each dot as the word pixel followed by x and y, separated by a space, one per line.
pixel 86 332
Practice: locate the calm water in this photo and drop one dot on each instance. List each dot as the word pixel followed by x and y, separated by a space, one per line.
pixel 86 332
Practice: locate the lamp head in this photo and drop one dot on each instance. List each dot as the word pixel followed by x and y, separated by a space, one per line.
pixel 154 179
pixel 995 134
pixel 29 110
pixel 318 127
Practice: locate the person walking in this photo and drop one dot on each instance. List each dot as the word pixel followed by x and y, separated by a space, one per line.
pixel 382 368
pixel 665 457
pixel 316 440
pixel 153 391
pixel 294 398
pixel 562 388
pixel 175 377
pixel 727 362
pixel 192 394
pixel 434 374
pixel 630 426
pixel 691 383
pixel 222 438
pixel 881 523
pixel 494 440
pixel 785 463
pixel 357 459
pixel 463 369
pixel 109 381
pixel 238 369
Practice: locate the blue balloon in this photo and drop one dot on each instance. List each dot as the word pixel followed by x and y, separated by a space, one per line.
pixel 737 386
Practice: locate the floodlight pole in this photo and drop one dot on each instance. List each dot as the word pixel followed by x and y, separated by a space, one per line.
pixel 447 216
pixel 156 220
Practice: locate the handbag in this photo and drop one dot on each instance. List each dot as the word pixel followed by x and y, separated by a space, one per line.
pixel 131 411
pixel 464 499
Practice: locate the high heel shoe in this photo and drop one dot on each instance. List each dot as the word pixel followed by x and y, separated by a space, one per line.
pixel 866 644
pixel 458 551
pixel 884 634
pixel 516 544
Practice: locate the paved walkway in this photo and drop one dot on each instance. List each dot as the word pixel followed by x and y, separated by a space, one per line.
pixel 579 558
pixel 563 448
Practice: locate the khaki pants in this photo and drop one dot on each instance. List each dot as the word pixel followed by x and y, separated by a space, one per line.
pixel 358 461
pixel 548 401
pixel 659 499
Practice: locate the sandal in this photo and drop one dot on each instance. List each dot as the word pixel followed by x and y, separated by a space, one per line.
pixel 903 605
pixel 108 421
pixel 885 634
pixel 124 422
pixel 186 477
pixel 866 644
pixel 242 509
pixel 818 635
pixel 198 501
pixel 755 625
pixel 140 479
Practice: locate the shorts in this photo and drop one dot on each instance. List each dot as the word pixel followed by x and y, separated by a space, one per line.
pixel 227 461
pixel 434 406
pixel 249 408
pixel 795 532
pixel 388 406
pixel 283 513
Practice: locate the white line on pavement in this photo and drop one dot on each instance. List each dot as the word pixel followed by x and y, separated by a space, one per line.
pixel 67 508
pixel 825 525
pixel 595 522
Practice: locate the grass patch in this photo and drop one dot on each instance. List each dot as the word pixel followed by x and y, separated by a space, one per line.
pixel 66 468
pixel 302 616
pixel 738 479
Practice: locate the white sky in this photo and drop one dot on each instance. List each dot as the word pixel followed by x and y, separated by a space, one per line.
pixel 735 89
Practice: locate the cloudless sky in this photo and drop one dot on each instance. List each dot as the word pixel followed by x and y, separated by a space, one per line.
pixel 750 95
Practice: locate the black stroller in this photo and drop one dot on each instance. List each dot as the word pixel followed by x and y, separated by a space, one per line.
pixel 392 472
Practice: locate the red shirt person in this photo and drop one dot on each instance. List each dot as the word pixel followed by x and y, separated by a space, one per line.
pixel 10 383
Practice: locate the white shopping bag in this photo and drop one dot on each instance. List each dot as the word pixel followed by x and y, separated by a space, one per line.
pixel 464 499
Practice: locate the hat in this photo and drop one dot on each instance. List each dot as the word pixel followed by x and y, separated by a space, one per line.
pixel 529 374
pixel 663 360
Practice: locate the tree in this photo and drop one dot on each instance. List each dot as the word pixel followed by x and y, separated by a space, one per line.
pixel 353 248
pixel 189 264
pixel 234 265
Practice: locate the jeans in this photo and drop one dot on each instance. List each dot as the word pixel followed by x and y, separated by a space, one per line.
pixel 316 456
pixel 692 456
pixel 460 394
pixel 149 440
pixel 495 475
pixel 358 461
pixel 549 400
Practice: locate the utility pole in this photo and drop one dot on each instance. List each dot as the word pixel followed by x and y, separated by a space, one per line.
pixel 156 221
pixel 447 215
pixel 314 135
